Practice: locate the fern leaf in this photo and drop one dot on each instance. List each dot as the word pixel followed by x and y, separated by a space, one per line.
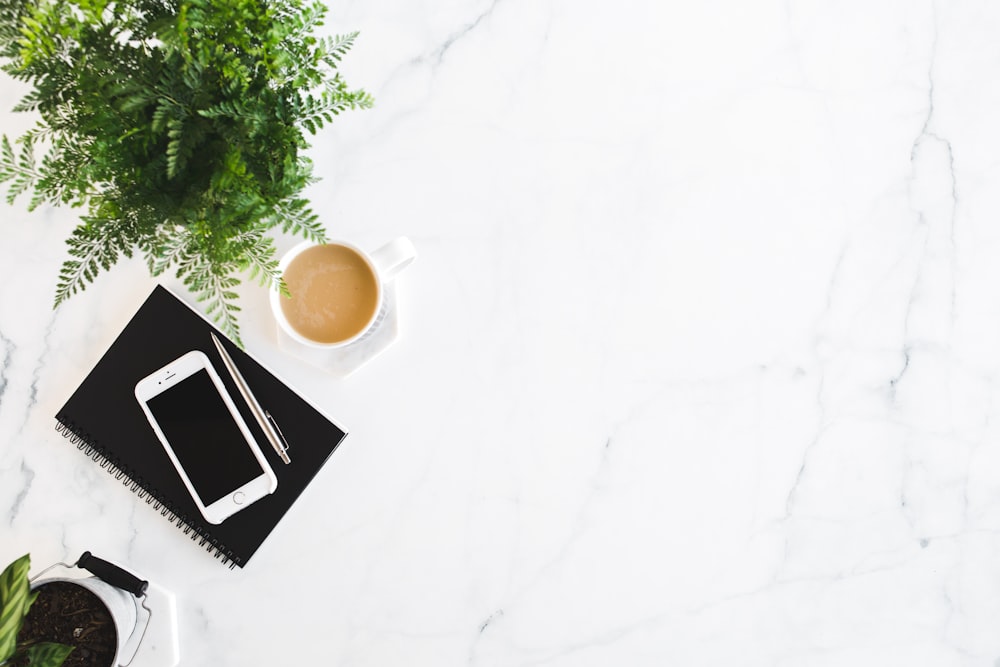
pixel 94 245
pixel 53 186
pixel 167 248
pixel 213 288
pixel 29 102
pixel 19 170
pixel 258 259
pixel 333 49
pixel 295 217
pixel 176 155
pixel 8 161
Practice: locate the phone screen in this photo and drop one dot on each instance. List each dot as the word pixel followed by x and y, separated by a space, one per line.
pixel 207 442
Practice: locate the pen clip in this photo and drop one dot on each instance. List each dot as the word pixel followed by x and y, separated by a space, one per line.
pixel 284 443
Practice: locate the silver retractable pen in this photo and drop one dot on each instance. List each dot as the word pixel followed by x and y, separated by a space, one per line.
pixel 263 417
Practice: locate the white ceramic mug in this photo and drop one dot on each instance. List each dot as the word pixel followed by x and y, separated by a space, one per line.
pixel 386 263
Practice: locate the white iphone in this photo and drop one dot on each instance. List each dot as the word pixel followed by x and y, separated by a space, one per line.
pixel 205 436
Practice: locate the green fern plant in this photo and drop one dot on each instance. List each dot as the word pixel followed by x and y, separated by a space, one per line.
pixel 178 126
pixel 15 601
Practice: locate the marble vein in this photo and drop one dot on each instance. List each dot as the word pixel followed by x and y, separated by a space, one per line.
pixel 928 133
pixel 439 53
pixel 38 370
pixel 490 620
pixel 27 478
pixel 8 349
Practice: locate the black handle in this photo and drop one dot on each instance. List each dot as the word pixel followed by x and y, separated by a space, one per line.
pixel 112 574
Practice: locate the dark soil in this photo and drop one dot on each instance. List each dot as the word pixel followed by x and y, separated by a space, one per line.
pixel 70 614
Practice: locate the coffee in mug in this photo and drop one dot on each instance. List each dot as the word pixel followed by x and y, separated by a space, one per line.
pixel 336 290
pixel 334 293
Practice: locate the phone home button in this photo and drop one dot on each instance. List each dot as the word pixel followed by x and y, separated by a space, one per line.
pixel 239 497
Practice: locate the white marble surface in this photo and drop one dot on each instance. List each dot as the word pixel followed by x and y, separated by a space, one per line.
pixel 699 365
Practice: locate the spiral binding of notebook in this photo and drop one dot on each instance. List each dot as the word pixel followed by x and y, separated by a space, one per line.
pixel 145 492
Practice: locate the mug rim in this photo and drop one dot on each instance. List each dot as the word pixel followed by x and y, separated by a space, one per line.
pixel 275 294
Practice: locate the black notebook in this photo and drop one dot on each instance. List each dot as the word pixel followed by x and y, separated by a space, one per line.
pixel 104 419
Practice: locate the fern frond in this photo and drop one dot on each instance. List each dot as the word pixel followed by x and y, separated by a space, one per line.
pixel 167 248
pixel 213 287
pixel 94 245
pixel 258 258
pixel 53 186
pixel 315 111
pixel 224 109
pixel 29 102
pixel 295 217
pixel 178 150
pixel 299 22
pixel 333 49
pixel 19 170
pixel 40 132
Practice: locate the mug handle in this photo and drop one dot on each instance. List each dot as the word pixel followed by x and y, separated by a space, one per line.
pixel 393 257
